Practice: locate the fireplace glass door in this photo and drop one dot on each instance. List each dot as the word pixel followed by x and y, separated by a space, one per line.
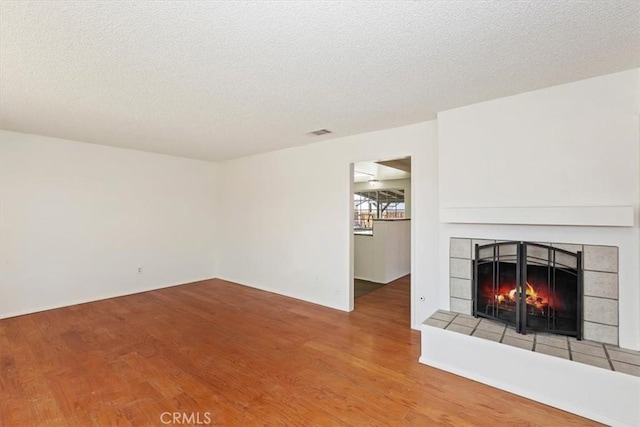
pixel 531 286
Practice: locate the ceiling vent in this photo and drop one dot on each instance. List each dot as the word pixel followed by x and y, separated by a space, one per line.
pixel 319 132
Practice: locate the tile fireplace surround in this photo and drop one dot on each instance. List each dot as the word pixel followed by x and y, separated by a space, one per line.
pixel 595 377
pixel 600 285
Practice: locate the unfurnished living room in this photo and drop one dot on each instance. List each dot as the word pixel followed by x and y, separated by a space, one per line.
pixel 190 189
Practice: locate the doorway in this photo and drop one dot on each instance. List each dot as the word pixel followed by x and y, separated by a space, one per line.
pixel 381 249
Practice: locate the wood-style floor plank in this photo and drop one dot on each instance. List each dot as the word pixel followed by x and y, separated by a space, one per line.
pixel 242 356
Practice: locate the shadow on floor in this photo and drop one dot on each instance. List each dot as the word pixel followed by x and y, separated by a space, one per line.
pixel 363 287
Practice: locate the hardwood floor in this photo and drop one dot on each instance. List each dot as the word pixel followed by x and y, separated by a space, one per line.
pixel 219 353
pixel 363 287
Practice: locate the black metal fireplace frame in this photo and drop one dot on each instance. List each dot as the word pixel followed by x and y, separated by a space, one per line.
pixel 521 260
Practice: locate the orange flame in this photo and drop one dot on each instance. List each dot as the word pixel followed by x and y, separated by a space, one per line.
pixel 532 298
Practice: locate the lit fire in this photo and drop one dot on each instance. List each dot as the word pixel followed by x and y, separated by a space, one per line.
pixel 532 298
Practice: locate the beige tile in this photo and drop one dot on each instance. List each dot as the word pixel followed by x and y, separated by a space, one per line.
pixel 601 333
pixel 552 351
pixel 600 362
pixel 587 349
pixel 460 329
pixel 552 340
pixel 491 326
pixel 460 288
pixel 601 258
pixel 460 305
pixel 486 253
pixel 516 342
pixel 601 310
pixel 598 284
pixel 466 316
pixel 510 249
pixel 480 242
pixel 566 260
pixel 622 356
pixel 568 247
pixel 471 323
pixel 436 322
pixel 626 368
pixel 540 254
pixel 460 268
pixel 585 342
pixel 448 317
pixel 624 350
pixel 460 248
pixel 511 332
pixel 487 335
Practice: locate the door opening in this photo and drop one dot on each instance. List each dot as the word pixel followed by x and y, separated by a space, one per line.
pixel 381 229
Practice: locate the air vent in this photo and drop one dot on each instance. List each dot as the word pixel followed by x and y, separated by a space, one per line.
pixel 319 132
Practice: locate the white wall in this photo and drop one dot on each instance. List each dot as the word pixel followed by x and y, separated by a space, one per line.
pixel 363 257
pixel 569 145
pixel 572 145
pixel 392 184
pixel 299 243
pixel 392 250
pixel 78 219
pixel 385 255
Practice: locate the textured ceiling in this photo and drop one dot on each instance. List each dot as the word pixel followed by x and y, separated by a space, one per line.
pixel 218 80
pixel 365 171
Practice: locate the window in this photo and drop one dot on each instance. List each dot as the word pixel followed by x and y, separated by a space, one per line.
pixel 376 204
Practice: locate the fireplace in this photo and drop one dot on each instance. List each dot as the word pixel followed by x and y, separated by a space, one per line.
pixel 532 286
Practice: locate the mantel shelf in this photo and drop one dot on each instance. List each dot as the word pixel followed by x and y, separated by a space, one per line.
pixel 594 216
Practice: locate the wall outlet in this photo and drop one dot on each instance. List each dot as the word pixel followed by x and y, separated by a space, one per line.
pixel 139 270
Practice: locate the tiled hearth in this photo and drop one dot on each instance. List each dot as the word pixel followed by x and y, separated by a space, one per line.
pixel 606 356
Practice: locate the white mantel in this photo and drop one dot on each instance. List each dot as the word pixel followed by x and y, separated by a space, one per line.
pixel 593 216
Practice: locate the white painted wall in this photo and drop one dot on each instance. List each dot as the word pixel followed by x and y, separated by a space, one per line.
pixel 571 145
pixel 402 184
pixel 363 257
pixel 386 255
pixel 299 244
pixel 78 219
pixel 392 250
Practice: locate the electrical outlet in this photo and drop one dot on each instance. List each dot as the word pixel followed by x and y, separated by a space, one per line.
pixel 139 270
